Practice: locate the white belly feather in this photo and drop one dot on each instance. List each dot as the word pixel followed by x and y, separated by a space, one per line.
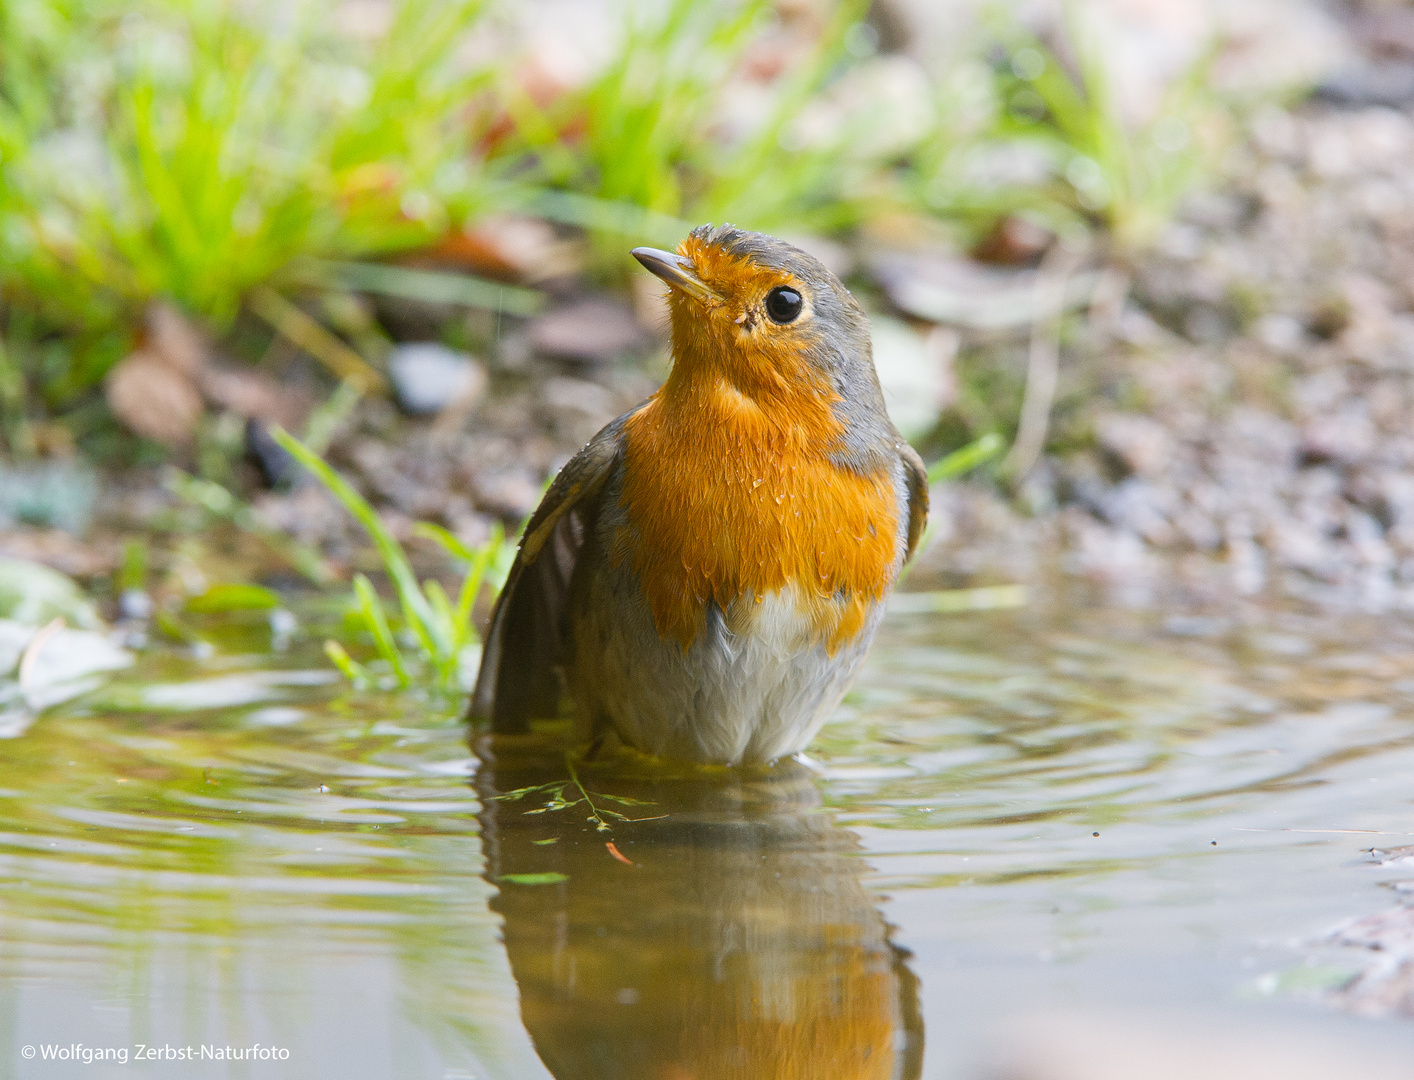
pixel 729 697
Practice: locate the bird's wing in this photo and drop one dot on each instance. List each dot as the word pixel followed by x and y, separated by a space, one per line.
pixel 915 474
pixel 526 641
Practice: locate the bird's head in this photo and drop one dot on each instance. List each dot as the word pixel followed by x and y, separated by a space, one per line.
pixel 767 320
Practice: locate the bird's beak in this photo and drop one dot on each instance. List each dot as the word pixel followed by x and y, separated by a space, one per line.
pixel 676 271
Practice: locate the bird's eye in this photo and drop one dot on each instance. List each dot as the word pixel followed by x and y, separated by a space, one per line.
pixel 783 304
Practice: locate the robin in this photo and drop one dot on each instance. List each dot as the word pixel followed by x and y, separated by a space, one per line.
pixel 704 578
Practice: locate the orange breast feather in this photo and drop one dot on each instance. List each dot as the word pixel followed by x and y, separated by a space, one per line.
pixel 728 503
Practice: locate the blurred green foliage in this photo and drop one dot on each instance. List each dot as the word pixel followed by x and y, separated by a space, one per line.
pixel 631 134
pixel 193 150
pixel 1037 129
pixel 1128 178
pixel 648 132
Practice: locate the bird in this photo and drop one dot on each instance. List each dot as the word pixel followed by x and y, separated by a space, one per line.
pixel 703 579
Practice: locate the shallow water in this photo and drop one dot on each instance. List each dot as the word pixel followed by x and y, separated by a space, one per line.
pixel 238 850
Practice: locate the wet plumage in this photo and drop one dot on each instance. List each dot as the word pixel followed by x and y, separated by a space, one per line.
pixel 704 578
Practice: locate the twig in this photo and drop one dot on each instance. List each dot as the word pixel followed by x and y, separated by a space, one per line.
pixel 599 823
pixel 1043 361
pixel 310 336
pixel 557 800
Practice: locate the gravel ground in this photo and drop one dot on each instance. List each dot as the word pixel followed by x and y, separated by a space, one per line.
pixel 1249 414
pixel 1237 424
pixel 1231 420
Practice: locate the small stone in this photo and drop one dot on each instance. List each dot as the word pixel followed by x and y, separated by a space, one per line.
pixel 274 463
pixel 940 287
pixel 283 622
pixel 428 377
pixel 59 494
pixel 509 494
pixel 135 604
pixel 1280 333
pixel 1141 443
pixel 1344 436
pixel 1390 83
pixel 582 398
pixel 1195 626
pixel 1014 241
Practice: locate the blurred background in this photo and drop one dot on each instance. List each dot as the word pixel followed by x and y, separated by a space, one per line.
pixel 1153 248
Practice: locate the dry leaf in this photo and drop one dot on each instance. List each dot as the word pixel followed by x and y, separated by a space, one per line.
pixel 255 396
pixel 173 339
pixel 153 399
pixel 511 247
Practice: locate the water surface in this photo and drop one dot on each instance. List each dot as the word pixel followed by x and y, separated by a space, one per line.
pixel 238 849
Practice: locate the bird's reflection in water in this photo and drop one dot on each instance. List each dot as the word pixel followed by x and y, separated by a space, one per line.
pixel 740 943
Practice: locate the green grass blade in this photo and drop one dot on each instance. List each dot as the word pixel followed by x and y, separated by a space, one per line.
pixel 448 541
pixel 233 596
pixel 475 578
pixel 395 563
pixel 433 286
pixel 442 607
pixel 966 459
pixel 132 574
pixel 482 564
pixel 324 421
pixel 377 621
pixel 548 877
pixel 350 668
